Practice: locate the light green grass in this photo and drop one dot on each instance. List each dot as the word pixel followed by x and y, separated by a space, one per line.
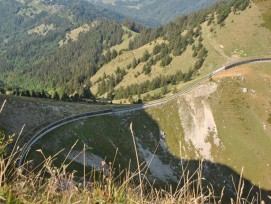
pixel 168 119
pixel 241 122
pixel 241 119
pixel 243 34
pixel 265 8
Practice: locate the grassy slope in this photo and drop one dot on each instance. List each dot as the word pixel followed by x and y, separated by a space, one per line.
pixel 246 114
pixel 74 34
pixel 241 119
pixel 237 39
pixel 125 40
pixel 265 8
pixel 41 29
pixel 110 138
pixel 244 34
pixel 36 113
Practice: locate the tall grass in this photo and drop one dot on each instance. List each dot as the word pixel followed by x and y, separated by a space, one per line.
pixel 46 183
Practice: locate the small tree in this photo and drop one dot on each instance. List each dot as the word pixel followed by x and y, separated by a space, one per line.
pixel 55 95
pixel 25 93
pixel 86 93
pixel 166 61
pixel 134 63
pixel 164 90
pixel 76 96
pixel 33 93
pixel 145 56
pixel 64 96
pixel 174 90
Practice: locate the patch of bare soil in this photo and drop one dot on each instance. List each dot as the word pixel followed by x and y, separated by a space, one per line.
pixel 236 72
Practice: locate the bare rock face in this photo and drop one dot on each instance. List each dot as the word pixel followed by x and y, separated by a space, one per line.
pixel 198 121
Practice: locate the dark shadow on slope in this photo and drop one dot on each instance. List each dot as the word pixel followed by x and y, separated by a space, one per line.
pixel 37 113
pixel 109 138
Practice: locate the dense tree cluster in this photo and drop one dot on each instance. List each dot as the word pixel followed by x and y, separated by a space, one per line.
pixel 107 84
pixel 67 68
pixel 34 61
pixel 200 52
pixel 84 94
pixel 158 82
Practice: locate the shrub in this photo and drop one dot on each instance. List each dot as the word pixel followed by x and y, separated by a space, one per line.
pixel 269 119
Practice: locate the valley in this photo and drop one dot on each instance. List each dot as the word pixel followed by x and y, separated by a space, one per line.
pixel 191 127
pixel 90 90
pixel 162 12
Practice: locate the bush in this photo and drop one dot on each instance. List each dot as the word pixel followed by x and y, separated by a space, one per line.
pixel 269 119
pixel 166 61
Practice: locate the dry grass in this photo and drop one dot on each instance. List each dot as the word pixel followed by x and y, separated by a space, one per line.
pixel 124 45
pixel 74 34
pixel 41 29
pixel 2 106
pixel 243 34
pixel 48 184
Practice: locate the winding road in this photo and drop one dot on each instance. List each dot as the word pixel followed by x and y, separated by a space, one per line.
pixel 67 120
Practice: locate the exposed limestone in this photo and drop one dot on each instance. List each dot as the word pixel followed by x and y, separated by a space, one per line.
pixel 198 120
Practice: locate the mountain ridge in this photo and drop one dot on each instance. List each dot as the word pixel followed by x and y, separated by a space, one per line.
pixel 162 11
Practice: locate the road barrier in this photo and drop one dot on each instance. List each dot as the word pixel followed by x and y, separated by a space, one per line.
pixel 137 107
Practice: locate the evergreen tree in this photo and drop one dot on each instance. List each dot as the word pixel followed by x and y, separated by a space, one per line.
pixel 55 95
pixel 145 56
pixel 64 96
pixel 86 93
pixel 134 63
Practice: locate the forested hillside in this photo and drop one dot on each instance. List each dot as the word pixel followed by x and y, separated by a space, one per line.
pixel 65 48
pixel 30 36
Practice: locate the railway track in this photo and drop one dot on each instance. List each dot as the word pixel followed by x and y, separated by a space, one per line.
pixel 67 120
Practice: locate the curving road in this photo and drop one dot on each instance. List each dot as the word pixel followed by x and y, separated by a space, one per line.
pixel 64 121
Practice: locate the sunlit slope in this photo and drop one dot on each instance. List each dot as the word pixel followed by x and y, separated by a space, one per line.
pixel 242 35
pixel 225 121
pixel 242 120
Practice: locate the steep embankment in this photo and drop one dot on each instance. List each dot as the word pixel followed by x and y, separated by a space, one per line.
pixel 225 121
pixel 37 113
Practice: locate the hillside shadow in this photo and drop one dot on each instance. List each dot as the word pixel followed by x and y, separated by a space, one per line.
pixel 110 138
